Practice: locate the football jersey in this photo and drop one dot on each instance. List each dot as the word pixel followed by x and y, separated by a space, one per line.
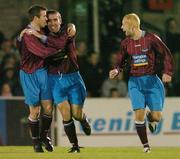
pixel 142 55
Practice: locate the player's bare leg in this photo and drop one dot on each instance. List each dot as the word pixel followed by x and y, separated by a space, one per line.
pixel 141 129
pixel 78 114
pixel 34 127
pixel 153 117
pixel 69 126
pixel 46 121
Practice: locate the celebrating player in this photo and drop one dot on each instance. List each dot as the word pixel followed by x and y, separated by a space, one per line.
pixel 145 88
pixel 66 83
pixel 34 78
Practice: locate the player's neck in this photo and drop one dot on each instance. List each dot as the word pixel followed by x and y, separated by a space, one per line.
pixel 35 26
pixel 137 34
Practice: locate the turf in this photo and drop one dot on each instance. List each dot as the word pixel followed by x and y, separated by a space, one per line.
pixel 26 152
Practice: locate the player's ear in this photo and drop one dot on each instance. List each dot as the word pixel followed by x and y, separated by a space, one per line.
pixel 133 28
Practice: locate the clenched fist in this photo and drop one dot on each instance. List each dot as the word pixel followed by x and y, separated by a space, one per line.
pixel 113 73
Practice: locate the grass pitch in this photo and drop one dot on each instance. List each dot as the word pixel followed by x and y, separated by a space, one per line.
pixel 26 152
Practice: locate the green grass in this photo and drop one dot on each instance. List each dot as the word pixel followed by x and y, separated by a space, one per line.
pixel 26 152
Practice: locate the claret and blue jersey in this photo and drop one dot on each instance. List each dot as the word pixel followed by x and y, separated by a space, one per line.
pixel 142 55
pixel 145 87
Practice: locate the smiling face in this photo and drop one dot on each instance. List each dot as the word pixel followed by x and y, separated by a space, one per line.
pixel 54 22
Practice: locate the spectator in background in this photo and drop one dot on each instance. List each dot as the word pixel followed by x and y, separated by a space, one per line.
pixel 9 75
pixel 114 93
pixel 93 75
pixel 6 48
pixel 15 49
pixel 172 38
pixel 2 37
pixel 82 53
pixel 9 60
pixel 114 87
pixel 82 57
pixel 110 62
pixel 81 49
pixel 112 59
pixel 24 22
pixel 6 90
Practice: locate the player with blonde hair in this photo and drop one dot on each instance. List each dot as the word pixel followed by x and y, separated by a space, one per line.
pixel 145 88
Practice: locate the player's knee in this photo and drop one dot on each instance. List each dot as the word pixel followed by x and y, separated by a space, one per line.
pixel 139 118
pixel 48 110
pixel 66 117
pixel 156 117
pixel 66 114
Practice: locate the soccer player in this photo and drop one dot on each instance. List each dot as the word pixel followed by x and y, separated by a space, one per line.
pixel 34 79
pixel 67 86
pixel 145 88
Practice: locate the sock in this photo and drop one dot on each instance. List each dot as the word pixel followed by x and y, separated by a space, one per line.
pixel 141 131
pixel 46 121
pixel 34 128
pixel 70 131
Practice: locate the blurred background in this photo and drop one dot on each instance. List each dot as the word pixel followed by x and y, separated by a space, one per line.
pixel 98 39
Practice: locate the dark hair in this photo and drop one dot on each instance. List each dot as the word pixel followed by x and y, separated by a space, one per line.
pixel 52 11
pixel 35 11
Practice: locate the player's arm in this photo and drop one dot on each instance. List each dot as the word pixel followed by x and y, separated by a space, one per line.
pixel 118 67
pixel 160 47
pixel 68 32
pixel 63 54
pixel 34 46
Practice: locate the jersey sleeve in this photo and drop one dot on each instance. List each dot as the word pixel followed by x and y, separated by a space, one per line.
pixel 34 46
pixel 121 57
pixel 161 48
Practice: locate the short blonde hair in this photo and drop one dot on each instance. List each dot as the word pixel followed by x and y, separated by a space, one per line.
pixel 132 19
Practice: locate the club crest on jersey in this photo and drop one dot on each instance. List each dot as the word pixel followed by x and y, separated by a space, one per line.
pixel 140 60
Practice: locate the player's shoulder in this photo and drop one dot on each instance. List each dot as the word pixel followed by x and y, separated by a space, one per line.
pixel 125 41
pixel 153 36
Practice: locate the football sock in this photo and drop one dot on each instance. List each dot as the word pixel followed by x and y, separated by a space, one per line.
pixel 46 121
pixel 141 131
pixel 70 131
pixel 34 128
